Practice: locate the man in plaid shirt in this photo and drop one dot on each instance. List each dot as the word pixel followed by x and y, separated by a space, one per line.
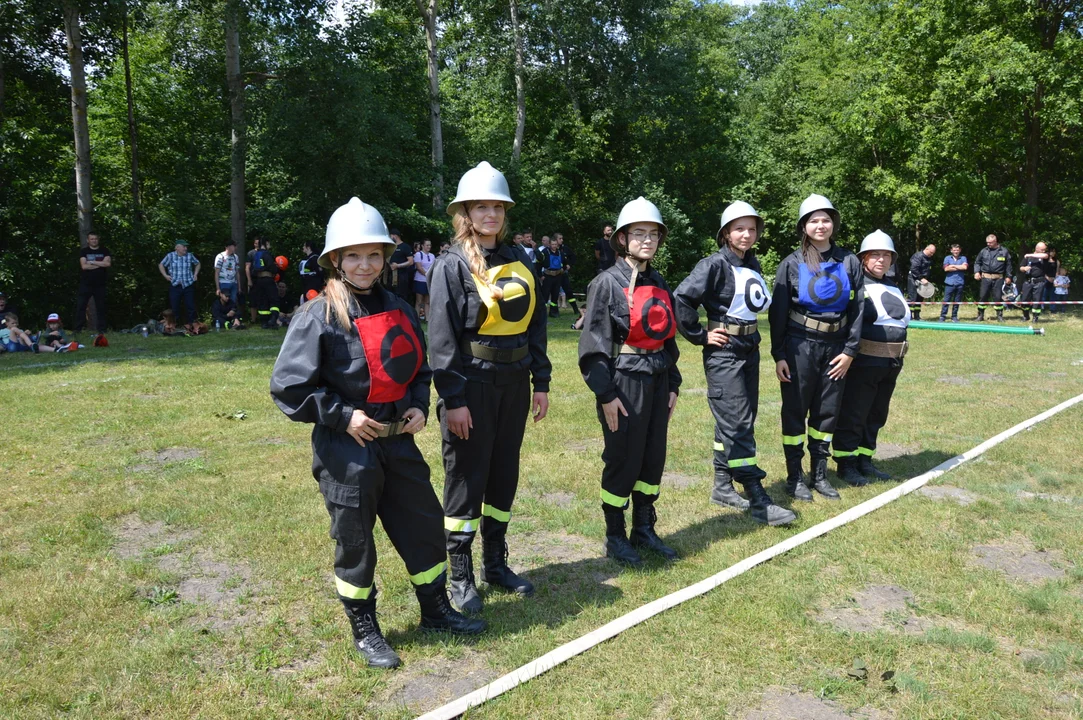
pixel 181 269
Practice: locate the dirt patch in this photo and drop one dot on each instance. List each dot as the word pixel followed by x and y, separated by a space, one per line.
pixel 559 499
pixel 1025 495
pixel 953 380
pixel 301 665
pixel 427 684
pixel 544 548
pixel 783 704
pixel 681 481
pixel 986 377
pixel 944 493
pixel 877 607
pixel 1018 559
pixel 589 445
pixel 887 451
pixel 142 468
pixel 136 537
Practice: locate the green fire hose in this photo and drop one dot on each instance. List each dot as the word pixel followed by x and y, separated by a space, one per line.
pixel 926 325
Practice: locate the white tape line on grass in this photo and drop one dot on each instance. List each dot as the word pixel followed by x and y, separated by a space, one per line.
pixel 611 629
pixel 135 358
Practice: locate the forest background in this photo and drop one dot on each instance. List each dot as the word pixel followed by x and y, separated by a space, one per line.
pixel 936 121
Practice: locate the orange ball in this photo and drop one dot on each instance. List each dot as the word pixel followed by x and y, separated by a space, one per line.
pixel 282 262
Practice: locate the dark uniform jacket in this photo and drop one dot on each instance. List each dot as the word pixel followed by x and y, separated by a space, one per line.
pixel 996 261
pixel 920 266
pixel 311 273
pixel 711 284
pixel 606 327
pixel 460 314
pixel 884 318
pixel 827 296
pixel 1040 268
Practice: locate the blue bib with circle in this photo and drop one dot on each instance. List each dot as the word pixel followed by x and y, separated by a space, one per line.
pixel 826 291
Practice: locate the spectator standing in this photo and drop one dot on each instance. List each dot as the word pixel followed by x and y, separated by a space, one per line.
pixel 955 267
pixel 310 271
pixel 551 262
pixel 181 269
pixel 445 247
pixel 1061 284
pixel 921 266
pixel 94 263
pixel 251 286
pixel 401 263
pixel 564 281
pixel 1051 277
pixel 992 266
pixel 603 251
pixel 226 268
pixel 423 260
pixel 265 291
pixel 1035 268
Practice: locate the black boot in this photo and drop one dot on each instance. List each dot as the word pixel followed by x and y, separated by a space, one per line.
pixel 616 538
pixel 367 637
pixel 1000 316
pixel 464 592
pixel 724 493
pixel 643 534
pixel 496 572
pixel 846 469
pixel 437 613
pixel 819 480
pixel 866 468
pixel 763 509
pixel 797 482
pixel 1026 315
pixel 981 314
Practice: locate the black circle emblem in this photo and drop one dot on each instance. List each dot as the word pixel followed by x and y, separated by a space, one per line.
pixel 755 294
pixel 516 301
pixel 821 284
pixel 893 306
pixel 656 319
pixel 399 354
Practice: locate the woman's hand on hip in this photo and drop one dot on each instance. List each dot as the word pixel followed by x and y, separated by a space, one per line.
pixel 717 337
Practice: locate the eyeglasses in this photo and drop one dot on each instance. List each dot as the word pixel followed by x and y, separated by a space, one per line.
pixel 640 235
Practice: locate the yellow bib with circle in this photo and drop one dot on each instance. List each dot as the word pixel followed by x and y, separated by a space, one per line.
pixel 510 315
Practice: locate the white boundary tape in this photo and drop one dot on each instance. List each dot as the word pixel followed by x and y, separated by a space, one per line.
pixel 615 627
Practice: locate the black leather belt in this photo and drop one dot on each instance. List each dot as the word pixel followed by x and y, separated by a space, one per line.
pixel 496 355
pixel 733 329
pixel 817 325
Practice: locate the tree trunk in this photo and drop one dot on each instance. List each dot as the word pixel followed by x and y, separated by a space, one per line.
pixel 429 10
pixel 83 197
pixel 1 84
pixel 520 88
pixel 238 137
pixel 133 134
pixel 1050 17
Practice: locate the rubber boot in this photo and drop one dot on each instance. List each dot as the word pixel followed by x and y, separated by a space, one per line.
pixel 724 493
pixel 437 615
pixel 866 468
pixel 496 572
pixel 643 535
pixel 819 480
pixel 616 538
pixel 1026 314
pixel 981 314
pixel 763 509
pixel 1000 316
pixel 797 482
pixel 367 637
pixel 464 591
pixel 846 469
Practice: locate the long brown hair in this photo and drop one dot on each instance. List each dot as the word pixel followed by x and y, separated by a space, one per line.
pixel 808 251
pixel 468 239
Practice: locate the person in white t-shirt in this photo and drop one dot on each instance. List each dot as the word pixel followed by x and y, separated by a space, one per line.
pixel 226 267
pixel 423 260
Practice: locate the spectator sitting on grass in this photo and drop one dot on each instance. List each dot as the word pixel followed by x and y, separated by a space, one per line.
pixel 4 307
pixel 15 339
pixel 1009 291
pixel 286 305
pixel 53 338
pixel 169 325
pixel 225 312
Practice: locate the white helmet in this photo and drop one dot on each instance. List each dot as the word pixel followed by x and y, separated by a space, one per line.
pixel 639 210
pixel 481 183
pixel 878 240
pixel 355 223
pixel 736 210
pixel 813 203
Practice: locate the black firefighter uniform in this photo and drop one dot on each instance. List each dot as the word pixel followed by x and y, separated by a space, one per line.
pixel 732 291
pixel 485 352
pixel 628 351
pixel 323 373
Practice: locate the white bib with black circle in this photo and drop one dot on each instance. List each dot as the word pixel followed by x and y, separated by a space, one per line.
pixel 750 294
pixel 891 307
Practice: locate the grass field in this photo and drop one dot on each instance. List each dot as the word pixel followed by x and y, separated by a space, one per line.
pixel 160 557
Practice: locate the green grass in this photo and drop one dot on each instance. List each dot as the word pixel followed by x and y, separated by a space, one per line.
pixel 87 631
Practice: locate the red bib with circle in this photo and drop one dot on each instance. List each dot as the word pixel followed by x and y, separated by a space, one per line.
pixel 651 320
pixel 393 353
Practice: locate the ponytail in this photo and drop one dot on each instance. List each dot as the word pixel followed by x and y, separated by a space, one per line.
pixel 470 242
pixel 810 254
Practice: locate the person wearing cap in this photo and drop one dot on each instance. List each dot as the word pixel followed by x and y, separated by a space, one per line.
pixel 487 341
pixel 53 338
pixel 921 267
pixel 871 380
pixel 992 266
pixel 180 268
pixel 815 331
pixel 94 263
pixel 353 364
pixel 729 286
pixel 628 356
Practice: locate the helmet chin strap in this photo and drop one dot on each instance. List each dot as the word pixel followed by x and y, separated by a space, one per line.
pixel 358 288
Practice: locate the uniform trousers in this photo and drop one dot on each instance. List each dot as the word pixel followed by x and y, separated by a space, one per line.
pixel 991 288
pixel 733 393
pixel 809 394
pixel 635 454
pixel 865 403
